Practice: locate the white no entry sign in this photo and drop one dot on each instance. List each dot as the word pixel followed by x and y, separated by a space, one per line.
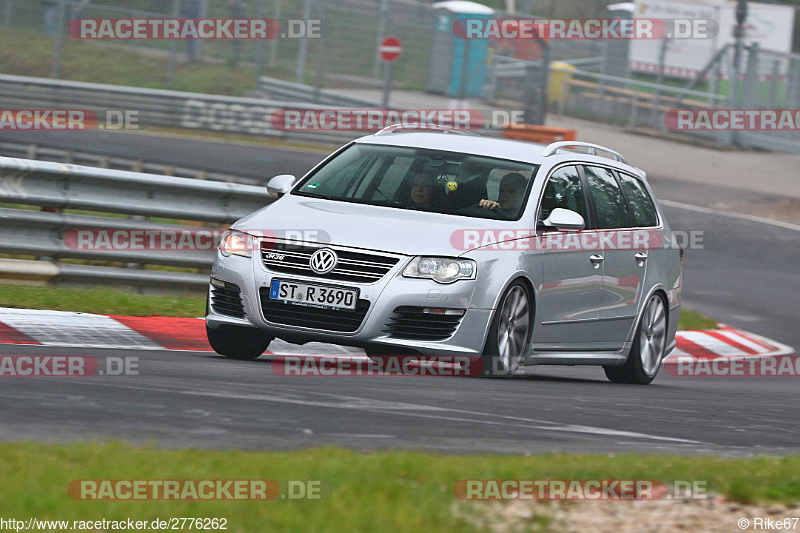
pixel 390 49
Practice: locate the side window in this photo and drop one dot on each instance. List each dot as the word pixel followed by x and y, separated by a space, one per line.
pixel 642 208
pixel 564 190
pixel 609 203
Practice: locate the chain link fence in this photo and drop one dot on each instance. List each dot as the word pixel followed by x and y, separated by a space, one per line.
pixel 346 58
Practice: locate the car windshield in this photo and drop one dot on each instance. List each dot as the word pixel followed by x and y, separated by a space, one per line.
pixel 423 180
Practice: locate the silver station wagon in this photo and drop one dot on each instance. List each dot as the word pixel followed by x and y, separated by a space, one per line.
pixel 446 243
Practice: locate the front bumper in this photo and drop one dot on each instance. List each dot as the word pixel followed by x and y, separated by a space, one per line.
pixel 384 296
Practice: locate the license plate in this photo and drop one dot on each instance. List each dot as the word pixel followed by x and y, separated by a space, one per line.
pixel 313 295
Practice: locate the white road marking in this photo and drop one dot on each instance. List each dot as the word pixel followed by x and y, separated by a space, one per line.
pixel 751 218
pixel 398 408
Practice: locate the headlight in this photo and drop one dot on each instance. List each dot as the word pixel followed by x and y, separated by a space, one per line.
pixel 236 243
pixel 441 269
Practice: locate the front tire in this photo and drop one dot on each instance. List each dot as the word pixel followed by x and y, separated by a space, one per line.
pixel 238 343
pixel 648 348
pixel 510 332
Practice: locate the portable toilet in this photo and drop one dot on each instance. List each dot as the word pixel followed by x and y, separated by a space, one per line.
pixel 447 51
pixel 617 51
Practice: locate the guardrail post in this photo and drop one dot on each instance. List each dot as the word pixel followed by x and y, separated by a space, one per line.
pixel 8 13
pixel 751 77
pixel 634 110
pixel 601 95
pixel 320 68
pixel 792 95
pixel 273 50
pixel 173 49
pixel 301 49
pixel 31 151
pixel 773 85
pixel 62 8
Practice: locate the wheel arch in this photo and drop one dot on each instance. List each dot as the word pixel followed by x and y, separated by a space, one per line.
pixel 521 276
pixel 657 290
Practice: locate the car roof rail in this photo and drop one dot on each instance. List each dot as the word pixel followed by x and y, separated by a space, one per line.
pixel 552 148
pixel 396 128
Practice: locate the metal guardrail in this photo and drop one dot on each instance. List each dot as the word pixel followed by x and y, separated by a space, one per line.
pixel 62 155
pixel 298 92
pixel 160 108
pixel 58 186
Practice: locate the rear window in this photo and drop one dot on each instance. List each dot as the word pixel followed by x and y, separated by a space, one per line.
pixel 643 210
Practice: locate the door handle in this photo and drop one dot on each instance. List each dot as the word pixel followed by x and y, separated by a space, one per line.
pixel 596 260
pixel 640 257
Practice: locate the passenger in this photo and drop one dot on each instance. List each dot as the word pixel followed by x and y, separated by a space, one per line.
pixel 509 199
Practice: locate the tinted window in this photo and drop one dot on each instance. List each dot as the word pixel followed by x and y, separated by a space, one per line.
pixel 642 208
pixel 564 190
pixel 609 203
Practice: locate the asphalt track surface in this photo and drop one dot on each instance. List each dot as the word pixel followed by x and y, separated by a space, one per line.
pixel 746 276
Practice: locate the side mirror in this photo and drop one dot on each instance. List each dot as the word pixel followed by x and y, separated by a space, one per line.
pixel 280 185
pixel 565 220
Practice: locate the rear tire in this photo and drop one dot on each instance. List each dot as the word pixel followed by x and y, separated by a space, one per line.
pixel 648 348
pixel 510 332
pixel 237 342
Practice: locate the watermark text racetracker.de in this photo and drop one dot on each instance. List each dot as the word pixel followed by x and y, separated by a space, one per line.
pixel 580 490
pixel 620 239
pixel 369 119
pixel 185 239
pixel 67 119
pixel 763 367
pixel 387 365
pixel 72 366
pixel 263 119
pixel 584 28
pixel 199 489
pixel 196 28
pixel 732 119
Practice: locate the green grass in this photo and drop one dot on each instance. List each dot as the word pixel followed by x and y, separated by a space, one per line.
pixel 400 490
pixel 103 300
pixel 762 92
pixel 694 320
pixel 27 52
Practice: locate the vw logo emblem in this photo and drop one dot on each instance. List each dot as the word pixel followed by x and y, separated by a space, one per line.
pixel 323 261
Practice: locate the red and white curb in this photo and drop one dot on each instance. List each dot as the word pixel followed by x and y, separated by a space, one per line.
pixel 725 342
pixel 86 330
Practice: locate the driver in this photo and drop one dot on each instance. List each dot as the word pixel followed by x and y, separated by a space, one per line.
pixel 509 199
pixel 423 189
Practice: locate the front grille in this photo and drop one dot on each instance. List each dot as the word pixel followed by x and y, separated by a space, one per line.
pixel 227 299
pixel 412 323
pixel 357 267
pixel 287 314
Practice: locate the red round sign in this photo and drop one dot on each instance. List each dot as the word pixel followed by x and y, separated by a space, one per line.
pixel 390 48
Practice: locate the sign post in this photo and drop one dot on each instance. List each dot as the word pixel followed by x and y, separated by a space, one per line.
pixel 389 50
